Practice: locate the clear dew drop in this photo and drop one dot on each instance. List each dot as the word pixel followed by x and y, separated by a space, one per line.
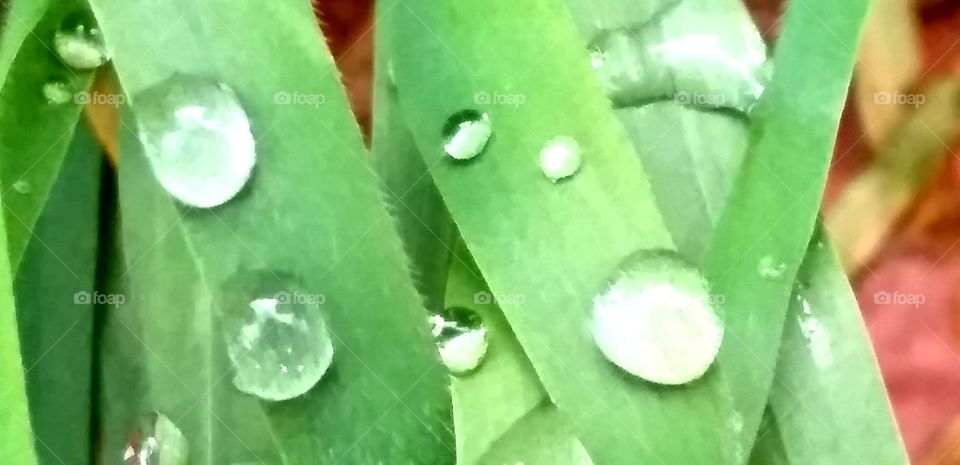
pixel 270 324
pixel 770 268
pixel 656 319
pixel 816 334
pixel 466 134
pixel 156 441
pixel 461 337
pixel 560 158
pixel 22 186
pixel 57 92
pixel 695 53
pixel 80 45
pixel 197 138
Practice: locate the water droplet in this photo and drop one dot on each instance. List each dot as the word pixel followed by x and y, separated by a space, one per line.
pixel 771 269
pixel 22 186
pixel 264 315
pixel 80 45
pixel 461 337
pixel 560 158
pixel 197 138
pixel 466 134
pixel 656 319
pixel 57 92
pixel 156 440
pixel 696 54
pixel 817 336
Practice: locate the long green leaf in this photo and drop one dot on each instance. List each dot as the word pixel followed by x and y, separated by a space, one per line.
pixel 551 244
pixel 385 398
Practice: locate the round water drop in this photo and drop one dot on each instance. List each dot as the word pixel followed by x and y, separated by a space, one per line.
pixel 156 441
pixel 560 158
pixel 57 92
pixel 80 46
pixel 22 186
pixel 771 269
pixel 197 137
pixel 466 134
pixel 656 319
pixel 276 336
pixel 461 337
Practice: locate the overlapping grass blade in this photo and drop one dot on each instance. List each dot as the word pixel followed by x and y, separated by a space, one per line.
pixel 385 398
pixel 34 134
pixel 541 241
pixel 55 300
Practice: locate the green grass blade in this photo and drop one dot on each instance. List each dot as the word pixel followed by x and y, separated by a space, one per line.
pixel 773 208
pixel 54 286
pixel 386 396
pixel 16 437
pixel 544 436
pixel 552 244
pixel 34 134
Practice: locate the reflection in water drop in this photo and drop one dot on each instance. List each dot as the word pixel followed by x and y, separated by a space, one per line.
pixel 700 54
pixel 276 336
pixel 156 441
pixel 466 134
pixel 656 319
pixel 461 337
pixel 560 158
pixel 197 138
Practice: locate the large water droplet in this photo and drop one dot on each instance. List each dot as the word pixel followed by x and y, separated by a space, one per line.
pixel 656 319
pixel 276 335
pixel 57 92
pixel 697 54
pixel 466 134
pixel 461 337
pixel 80 45
pixel 197 138
pixel 560 158
pixel 156 441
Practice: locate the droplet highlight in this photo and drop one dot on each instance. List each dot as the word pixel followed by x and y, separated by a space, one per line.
pixel 816 334
pixel 156 441
pixel 57 92
pixel 770 268
pixel 276 335
pixel 461 337
pixel 657 320
pixel 560 158
pixel 22 186
pixel 196 135
pixel 466 134
pixel 80 45
pixel 697 54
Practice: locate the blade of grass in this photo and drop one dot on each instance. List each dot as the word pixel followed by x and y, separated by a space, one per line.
pixel 34 134
pixel 772 210
pixel 54 289
pixel 551 244
pixel 386 397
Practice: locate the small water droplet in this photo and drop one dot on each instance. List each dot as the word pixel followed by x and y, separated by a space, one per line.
pixel 560 158
pixel 656 319
pixel 197 137
pixel 817 336
pixel 696 54
pixel 461 337
pixel 262 318
pixel 22 186
pixel 466 134
pixel 770 268
pixel 154 441
pixel 57 92
pixel 80 45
